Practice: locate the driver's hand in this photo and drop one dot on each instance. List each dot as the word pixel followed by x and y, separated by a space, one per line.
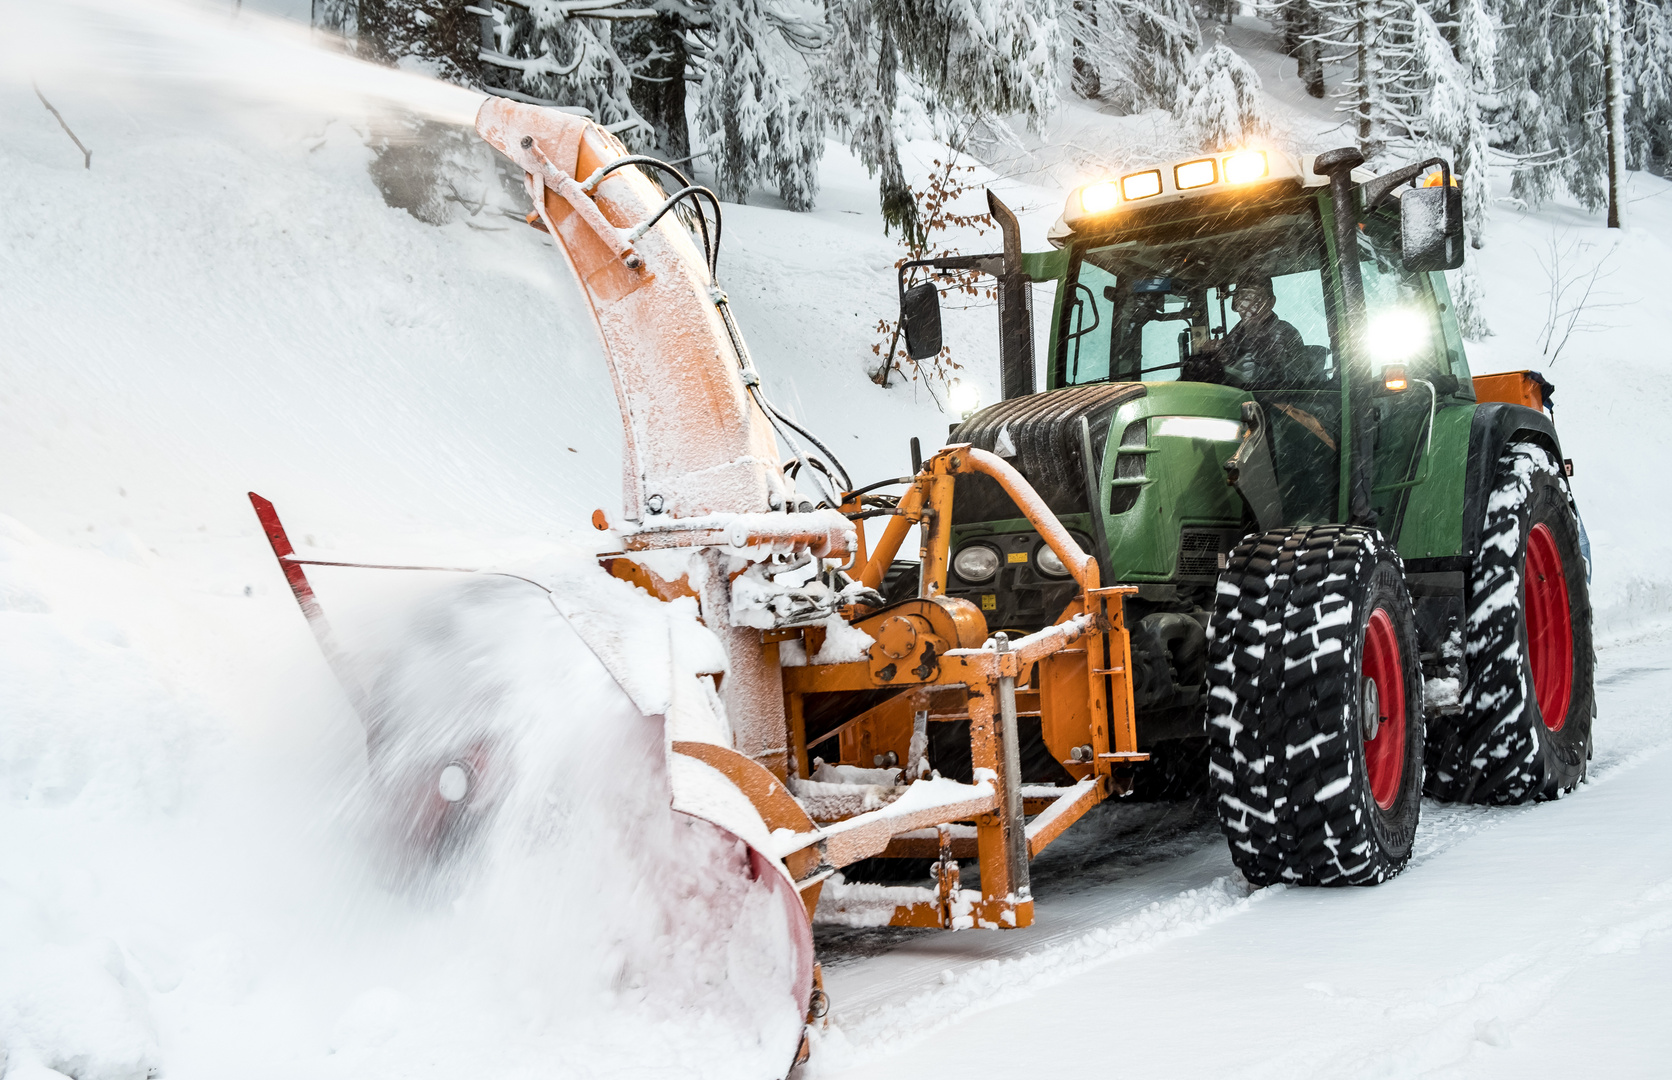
pixel 1241 374
pixel 1202 368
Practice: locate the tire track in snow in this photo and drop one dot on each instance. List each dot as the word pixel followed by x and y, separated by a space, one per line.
pixel 872 1024
pixel 904 995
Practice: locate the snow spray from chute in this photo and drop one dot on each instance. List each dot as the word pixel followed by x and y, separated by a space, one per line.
pixel 163 45
pixel 561 829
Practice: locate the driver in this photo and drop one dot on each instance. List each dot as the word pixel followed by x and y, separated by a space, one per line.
pixel 1260 348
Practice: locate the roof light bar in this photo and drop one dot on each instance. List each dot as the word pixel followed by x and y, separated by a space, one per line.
pixel 1198 177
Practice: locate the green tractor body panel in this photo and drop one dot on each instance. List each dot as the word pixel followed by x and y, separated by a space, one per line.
pixel 1430 521
pixel 1168 498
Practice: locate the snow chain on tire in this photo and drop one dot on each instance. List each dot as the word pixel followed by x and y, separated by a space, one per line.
pixel 1286 708
pixel 1501 749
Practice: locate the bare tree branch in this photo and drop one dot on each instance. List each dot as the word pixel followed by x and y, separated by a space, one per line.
pixel 86 154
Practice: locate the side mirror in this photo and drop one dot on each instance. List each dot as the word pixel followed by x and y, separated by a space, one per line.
pixel 920 316
pixel 1431 228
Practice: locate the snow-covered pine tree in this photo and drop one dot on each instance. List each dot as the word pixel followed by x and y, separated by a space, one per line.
pixel 757 120
pixel 1550 78
pixel 1132 54
pixel 629 67
pixel 542 55
pixel 1552 73
pixel 1299 24
pixel 657 58
pixel 962 60
pixel 1452 124
pixel 1648 48
pixel 1220 104
pixel 439 34
pixel 1082 24
pixel 1385 90
pixel 1167 37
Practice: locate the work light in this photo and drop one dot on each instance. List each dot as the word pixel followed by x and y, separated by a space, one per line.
pixel 976 563
pixel 1140 185
pixel 1245 166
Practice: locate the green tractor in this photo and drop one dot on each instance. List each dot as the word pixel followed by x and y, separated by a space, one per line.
pixel 1360 572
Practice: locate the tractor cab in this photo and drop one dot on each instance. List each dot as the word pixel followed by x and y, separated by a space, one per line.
pixel 1228 354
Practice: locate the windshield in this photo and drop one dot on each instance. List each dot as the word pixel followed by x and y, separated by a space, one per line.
pixel 1226 300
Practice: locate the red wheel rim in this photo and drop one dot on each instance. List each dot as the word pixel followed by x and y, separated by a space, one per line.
pixel 1384 755
pixel 1549 627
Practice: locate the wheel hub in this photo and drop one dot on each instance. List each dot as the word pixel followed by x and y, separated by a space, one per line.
pixel 1370 713
pixel 453 783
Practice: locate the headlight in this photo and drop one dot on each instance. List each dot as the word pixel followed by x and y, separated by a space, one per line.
pixel 976 563
pixel 964 398
pixel 1397 334
pixel 1048 563
pixel 1199 427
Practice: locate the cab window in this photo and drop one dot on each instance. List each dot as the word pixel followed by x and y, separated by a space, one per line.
pixel 1234 301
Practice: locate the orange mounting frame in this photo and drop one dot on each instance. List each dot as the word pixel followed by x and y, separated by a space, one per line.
pixel 934 652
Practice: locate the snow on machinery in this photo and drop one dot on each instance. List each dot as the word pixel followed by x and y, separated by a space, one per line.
pixel 709 515
pixel 1255 603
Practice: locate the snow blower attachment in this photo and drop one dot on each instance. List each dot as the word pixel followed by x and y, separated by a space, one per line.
pixel 813 658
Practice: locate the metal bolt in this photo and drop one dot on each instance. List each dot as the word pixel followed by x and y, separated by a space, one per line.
pixel 654 504
pixel 454 782
pixel 634 262
pixel 528 142
pixel 1370 711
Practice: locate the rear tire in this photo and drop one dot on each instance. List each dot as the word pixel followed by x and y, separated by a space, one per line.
pixel 1525 729
pixel 1312 632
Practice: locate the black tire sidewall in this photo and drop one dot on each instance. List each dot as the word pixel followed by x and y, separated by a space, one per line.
pixel 1287 769
pixel 1564 752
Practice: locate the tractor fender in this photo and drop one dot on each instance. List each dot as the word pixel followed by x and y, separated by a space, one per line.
pixel 1495 425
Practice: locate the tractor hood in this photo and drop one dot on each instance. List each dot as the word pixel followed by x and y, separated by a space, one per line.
pixel 1040 435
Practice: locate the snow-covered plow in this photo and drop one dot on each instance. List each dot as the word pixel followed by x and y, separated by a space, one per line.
pixel 798 705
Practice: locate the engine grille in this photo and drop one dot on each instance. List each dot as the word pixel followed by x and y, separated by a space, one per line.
pixel 1199 551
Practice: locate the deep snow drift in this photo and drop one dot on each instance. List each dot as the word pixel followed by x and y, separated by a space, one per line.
pixel 224 302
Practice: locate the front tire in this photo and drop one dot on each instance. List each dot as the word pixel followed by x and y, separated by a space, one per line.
pixel 1525 729
pixel 1315 708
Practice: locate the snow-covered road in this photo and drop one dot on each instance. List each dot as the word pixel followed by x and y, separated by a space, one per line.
pixel 1528 941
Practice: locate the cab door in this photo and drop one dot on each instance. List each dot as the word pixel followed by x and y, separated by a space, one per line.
pixel 1405 347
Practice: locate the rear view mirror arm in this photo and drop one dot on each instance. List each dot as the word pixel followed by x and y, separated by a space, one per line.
pixel 982 264
pixel 1376 191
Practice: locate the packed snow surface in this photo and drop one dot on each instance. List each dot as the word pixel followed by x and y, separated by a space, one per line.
pixel 195 883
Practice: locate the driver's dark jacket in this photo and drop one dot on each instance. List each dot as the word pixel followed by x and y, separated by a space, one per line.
pixel 1270 347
